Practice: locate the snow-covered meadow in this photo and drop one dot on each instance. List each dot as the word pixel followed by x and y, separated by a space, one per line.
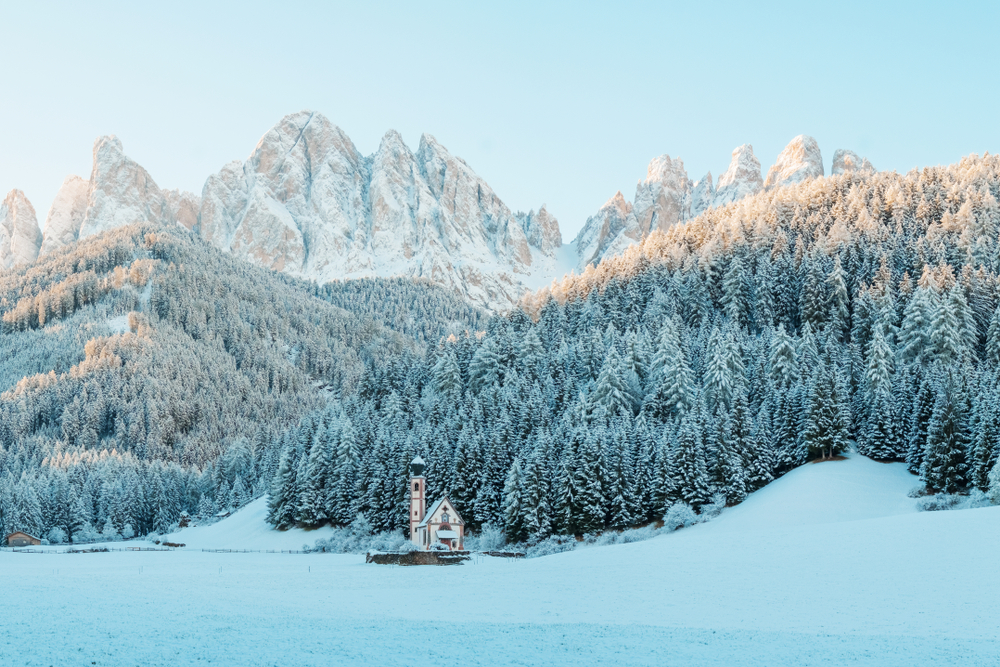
pixel 831 564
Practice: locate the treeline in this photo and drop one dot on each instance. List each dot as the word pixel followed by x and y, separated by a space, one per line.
pixel 699 365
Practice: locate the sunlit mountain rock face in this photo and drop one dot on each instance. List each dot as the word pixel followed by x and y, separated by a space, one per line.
pixel 306 202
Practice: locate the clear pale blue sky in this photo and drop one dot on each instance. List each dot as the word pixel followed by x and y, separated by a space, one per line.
pixel 562 103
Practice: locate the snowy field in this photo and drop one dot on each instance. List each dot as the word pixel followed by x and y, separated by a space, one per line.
pixel 830 565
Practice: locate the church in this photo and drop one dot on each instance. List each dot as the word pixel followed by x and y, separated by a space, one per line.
pixel 441 524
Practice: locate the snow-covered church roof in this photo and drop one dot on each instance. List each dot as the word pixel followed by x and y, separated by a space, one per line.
pixel 434 508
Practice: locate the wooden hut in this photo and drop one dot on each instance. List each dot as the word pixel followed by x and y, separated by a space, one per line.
pixel 20 539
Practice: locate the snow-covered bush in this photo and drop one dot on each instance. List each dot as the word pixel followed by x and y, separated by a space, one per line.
pixel 680 515
pixel 358 538
pixel 490 538
pixel 127 532
pixel 994 478
pixel 56 536
pixel 953 501
pixel 109 534
pixel 555 544
pixel 712 509
pixel 87 533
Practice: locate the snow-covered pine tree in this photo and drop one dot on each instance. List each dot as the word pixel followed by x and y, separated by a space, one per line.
pixel 944 467
pixel 735 303
pixel 985 448
pixel 691 479
pixel 514 512
pixel 282 504
pixel 783 360
pixel 672 381
pixel 839 310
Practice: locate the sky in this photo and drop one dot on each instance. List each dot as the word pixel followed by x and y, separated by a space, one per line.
pixel 554 103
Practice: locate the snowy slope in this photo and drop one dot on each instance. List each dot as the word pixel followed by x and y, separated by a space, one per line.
pixel 828 565
pixel 246 529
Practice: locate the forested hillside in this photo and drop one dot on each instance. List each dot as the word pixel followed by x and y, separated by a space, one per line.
pixel 145 373
pixel 695 368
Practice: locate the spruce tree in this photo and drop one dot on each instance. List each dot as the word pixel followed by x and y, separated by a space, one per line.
pixel 944 466
pixel 514 506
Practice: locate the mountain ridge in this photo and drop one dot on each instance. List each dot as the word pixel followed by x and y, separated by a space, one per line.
pixel 306 202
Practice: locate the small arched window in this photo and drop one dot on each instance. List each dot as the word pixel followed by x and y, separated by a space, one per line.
pixel 416 486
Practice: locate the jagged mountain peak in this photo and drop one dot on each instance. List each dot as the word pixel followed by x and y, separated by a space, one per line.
pixel 65 217
pixel 741 179
pixel 20 237
pixel 121 192
pixel 800 159
pixel 845 161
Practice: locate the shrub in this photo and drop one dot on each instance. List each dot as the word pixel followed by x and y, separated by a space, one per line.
pixel 680 515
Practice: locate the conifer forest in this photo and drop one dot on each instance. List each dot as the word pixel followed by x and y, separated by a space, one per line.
pixel 853 311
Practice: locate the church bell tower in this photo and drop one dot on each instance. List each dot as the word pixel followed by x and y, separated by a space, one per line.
pixel 418 497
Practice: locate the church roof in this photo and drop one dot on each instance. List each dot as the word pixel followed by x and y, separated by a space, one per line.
pixel 434 508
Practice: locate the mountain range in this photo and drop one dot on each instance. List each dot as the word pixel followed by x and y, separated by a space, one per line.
pixel 306 202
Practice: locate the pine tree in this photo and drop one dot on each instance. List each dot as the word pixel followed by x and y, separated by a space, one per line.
pixel 734 297
pixel 672 380
pixel 282 502
pixel 611 393
pixel 985 448
pixel 824 431
pixel 536 509
pixel 839 316
pixel 691 474
pixel 448 377
pixel 921 413
pixel 513 505
pixel 944 333
pixel 783 361
pixel 993 339
pixel 944 467
pixel 914 336
pixel 590 484
pixel 728 476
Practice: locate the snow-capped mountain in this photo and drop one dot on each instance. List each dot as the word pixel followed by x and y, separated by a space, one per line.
pixel 308 203
pixel 845 161
pixel 119 192
pixel 801 159
pixel 668 197
pixel 19 235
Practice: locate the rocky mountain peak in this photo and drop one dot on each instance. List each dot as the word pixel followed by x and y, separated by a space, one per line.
pixel 702 195
pixel 742 179
pixel 845 161
pixel 121 192
pixel 65 217
pixel 20 237
pixel 661 201
pixel 614 223
pixel 542 230
pixel 800 159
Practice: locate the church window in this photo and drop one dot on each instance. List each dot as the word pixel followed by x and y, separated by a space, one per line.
pixel 416 486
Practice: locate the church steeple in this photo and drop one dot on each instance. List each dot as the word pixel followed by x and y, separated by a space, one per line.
pixel 418 496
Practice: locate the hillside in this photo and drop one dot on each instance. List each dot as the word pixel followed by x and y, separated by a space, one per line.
pixel 700 365
pixel 133 360
pixel 829 565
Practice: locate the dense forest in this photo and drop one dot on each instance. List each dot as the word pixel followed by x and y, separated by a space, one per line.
pixel 162 377
pixel 848 311
pixel 145 374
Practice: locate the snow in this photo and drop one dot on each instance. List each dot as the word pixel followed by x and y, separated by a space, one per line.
pixel 247 529
pixel 828 565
